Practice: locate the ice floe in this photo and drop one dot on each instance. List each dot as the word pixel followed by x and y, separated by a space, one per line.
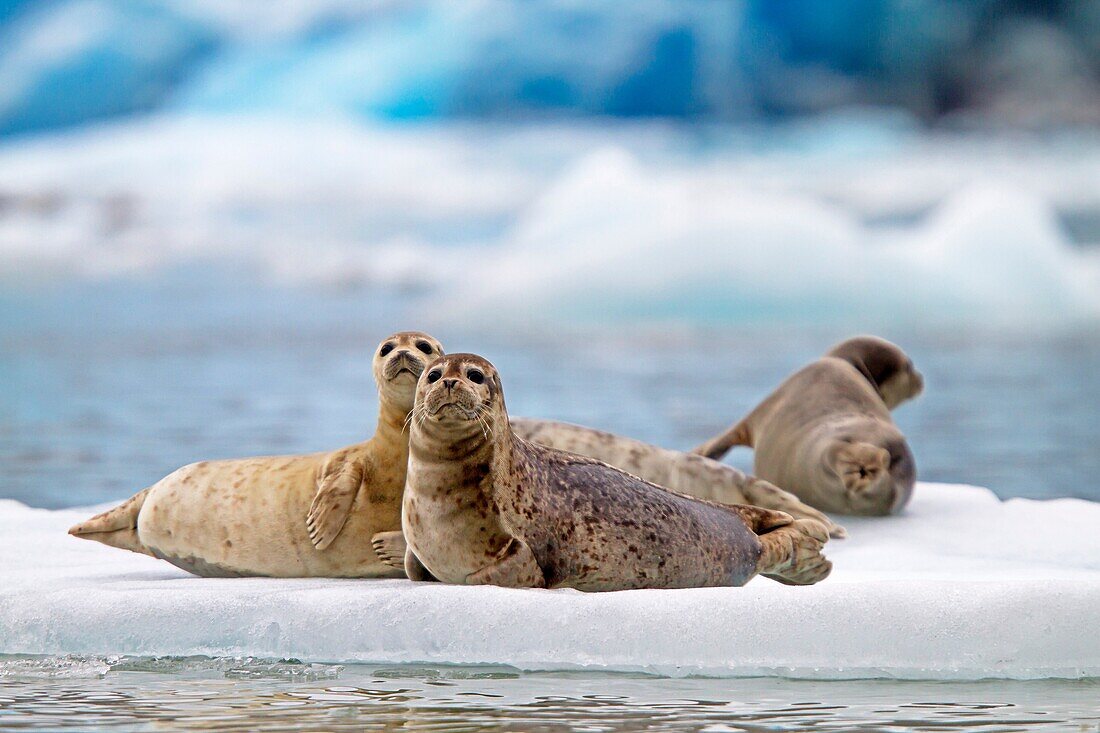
pixel 961 586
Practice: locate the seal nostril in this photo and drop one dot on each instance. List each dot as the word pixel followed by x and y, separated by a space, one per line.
pixel 450 383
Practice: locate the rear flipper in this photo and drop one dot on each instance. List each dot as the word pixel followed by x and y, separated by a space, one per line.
pixel 767 495
pixel 719 446
pixel 791 553
pixel 861 466
pixel 116 527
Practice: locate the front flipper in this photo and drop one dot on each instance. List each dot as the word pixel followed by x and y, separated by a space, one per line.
pixel 337 484
pixel 515 567
pixel 415 569
pixel 390 547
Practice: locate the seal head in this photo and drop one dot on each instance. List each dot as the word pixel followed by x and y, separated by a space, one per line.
pixel 398 363
pixel 885 366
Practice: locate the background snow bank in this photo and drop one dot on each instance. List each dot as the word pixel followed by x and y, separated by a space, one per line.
pixel 963 586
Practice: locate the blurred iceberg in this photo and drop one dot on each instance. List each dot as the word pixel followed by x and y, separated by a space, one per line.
pixel 66 63
pixel 846 221
pixel 601 160
pixel 69 61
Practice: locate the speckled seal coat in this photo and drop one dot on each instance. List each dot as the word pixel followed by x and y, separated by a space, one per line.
pixel 483 506
pixel 284 516
pixel 686 473
pixel 826 433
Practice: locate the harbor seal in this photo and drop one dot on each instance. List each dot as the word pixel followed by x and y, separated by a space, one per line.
pixel 686 473
pixel 826 433
pixel 284 516
pixel 484 506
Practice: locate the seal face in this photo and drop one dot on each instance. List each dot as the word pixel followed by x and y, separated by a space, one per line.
pixel 482 505
pixel 826 433
pixel 884 365
pixel 284 516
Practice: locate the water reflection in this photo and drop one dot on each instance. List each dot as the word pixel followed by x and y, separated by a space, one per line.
pixel 503 699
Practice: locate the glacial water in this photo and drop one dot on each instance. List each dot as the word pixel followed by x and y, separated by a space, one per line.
pixel 249 695
pixel 108 387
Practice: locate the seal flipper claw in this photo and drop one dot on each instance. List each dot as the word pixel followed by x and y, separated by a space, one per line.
pixel 337 486
pixel 116 527
pixel 390 547
pixel 761 520
pixel 791 554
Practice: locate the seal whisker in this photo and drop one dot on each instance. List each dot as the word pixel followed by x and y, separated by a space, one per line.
pixel 482 413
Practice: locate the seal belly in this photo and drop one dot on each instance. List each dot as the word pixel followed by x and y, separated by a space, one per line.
pixel 463 538
pixel 241 516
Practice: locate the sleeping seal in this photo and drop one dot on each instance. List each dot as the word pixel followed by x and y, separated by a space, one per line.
pixel 687 473
pixel 284 516
pixel 826 433
pixel 483 506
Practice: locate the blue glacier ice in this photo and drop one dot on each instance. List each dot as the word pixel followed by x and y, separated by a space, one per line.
pixel 67 63
pixel 71 61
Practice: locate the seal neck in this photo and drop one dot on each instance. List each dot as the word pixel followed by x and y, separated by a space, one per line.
pixel 392 428
pixel 432 442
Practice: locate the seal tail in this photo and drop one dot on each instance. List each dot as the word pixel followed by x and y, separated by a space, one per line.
pixel 116 527
pixel 861 465
pixel 719 446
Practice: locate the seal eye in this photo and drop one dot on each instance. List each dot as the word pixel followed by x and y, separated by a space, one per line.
pixel 386 348
pixel 476 376
pixel 434 375
pixel 424 346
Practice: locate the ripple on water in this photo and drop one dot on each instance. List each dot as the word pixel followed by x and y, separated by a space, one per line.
pixel 201 692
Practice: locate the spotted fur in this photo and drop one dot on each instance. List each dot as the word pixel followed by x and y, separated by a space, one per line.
pixel 483 505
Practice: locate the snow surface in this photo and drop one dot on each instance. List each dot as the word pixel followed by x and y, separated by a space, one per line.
pixel 962 586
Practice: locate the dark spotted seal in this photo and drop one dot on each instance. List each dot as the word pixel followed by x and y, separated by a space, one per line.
pixel 483 506
pixel 826 433
pixel 284 516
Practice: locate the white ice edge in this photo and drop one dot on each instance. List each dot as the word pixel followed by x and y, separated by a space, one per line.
pixel 961 587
